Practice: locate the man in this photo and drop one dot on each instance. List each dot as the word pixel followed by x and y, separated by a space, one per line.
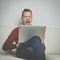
pixel 31 49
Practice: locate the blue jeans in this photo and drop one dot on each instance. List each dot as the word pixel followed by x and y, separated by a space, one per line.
pixel 31 49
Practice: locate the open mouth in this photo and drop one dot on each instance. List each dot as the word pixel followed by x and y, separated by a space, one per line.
pixel 28 21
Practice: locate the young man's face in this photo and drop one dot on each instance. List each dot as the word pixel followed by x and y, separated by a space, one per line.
pixel 27 18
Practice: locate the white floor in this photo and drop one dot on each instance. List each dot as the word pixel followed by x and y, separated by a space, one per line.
pixel 52 57
pixel 4 56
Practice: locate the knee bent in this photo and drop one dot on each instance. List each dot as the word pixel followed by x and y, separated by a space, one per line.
pixel 36 38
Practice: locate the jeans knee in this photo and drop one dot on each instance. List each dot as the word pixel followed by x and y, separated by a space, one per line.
pixel 36 38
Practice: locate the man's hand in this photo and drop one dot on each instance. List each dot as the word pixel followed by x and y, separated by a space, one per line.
pixel 44 46
pixel 17 45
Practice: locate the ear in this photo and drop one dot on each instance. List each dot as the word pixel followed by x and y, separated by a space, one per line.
pixel 22 20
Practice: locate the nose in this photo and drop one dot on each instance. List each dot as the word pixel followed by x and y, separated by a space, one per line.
pixel 28 18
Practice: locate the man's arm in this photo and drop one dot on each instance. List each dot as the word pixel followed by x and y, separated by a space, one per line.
pixel 8 45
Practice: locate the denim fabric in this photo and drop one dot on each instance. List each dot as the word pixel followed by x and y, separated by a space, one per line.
pixel 31 49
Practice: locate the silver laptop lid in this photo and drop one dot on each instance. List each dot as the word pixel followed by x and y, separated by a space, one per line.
pixel 28 31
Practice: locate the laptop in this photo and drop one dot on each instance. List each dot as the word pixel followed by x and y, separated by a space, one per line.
pixel 28 31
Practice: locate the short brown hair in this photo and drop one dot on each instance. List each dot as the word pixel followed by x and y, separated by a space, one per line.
pixel 26 10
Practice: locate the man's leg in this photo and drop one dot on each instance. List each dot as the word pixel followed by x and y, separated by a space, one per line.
pixel 36 44
pixel 37 49
pixel 25 52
